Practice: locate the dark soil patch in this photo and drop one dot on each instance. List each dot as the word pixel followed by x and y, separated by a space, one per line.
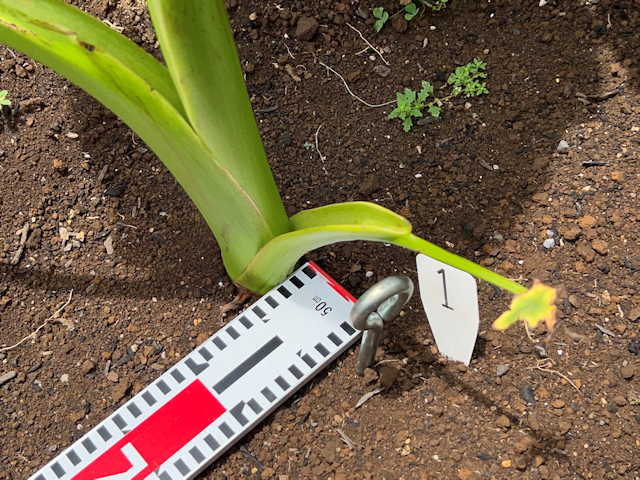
pixel 486 180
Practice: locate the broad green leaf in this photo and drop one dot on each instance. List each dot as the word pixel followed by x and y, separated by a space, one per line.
pixel 138 89
pixel 316 228
pixel 409 95
pixel 198 46
pixel 407 124
pixel 38 28
pixel 411 8
pixel 536 305
pixel 377 12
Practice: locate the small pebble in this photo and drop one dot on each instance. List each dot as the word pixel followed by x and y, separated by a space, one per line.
pixel 382 70
pixel 7 376
pixel 540 351
pixel 549 243
pixel 64 378
pixel 502 370
pixel 563 147
pixel 527 394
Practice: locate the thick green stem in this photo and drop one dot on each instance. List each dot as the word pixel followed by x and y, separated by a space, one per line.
pixel 417 244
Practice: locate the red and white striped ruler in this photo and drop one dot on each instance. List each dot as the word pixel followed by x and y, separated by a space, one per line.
pixel 199 408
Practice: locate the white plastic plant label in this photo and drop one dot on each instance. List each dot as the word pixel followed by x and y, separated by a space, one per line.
pixel 450 300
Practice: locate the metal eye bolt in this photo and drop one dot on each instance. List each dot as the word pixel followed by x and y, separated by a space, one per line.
pixel 380 303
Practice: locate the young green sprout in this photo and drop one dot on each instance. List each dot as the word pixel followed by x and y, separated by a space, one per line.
pixel 381 17
pixel 3 98
pixel 464 80
pixel 411 10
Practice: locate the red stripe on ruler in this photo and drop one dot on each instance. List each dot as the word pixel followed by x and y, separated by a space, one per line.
pixel 157 438
pixel 333 284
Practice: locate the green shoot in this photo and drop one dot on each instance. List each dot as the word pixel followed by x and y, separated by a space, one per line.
pixel 464 80
pixel 410 105
pixel 3 98
pixel 411 11
pixel 382 18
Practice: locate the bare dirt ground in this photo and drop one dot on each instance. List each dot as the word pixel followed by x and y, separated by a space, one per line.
pixel 550 153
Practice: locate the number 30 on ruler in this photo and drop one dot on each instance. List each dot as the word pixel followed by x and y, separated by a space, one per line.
pixel 450 300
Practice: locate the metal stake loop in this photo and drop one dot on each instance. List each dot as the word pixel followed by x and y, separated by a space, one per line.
pixel 380 303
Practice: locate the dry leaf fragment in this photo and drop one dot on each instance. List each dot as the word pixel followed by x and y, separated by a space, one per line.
pixel 108 244
pixel 64 233
pixel 532 306
pixel 289 69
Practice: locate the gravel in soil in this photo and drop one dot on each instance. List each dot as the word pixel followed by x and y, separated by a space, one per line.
pixel 551 153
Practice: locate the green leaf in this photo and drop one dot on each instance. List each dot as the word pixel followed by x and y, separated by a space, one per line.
pixel 139 90
pixel 316 228
pixel 412 11
pixel 394 113
pixel 420 245
pixel 536 305
pixel 211 87
pixel 407 124
pixel 409 95
pixel 427 87
pixel 434 111
pixel 377 12
pixel 29 26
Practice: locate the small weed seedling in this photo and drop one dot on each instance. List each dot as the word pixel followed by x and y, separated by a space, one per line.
pixel 467 79
pixel 411 104
pixel 410 11
pixel 3 98
pixel 464 80
pixel 381 18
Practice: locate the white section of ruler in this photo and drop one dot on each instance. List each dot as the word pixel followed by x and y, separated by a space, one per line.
pixel 202 405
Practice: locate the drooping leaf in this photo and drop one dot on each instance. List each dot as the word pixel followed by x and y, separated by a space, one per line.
pixel 533 306
pixel 318 227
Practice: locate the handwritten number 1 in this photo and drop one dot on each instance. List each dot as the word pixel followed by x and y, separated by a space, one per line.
pixel 444 284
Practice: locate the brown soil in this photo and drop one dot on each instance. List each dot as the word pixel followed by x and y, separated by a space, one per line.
pixel 487 180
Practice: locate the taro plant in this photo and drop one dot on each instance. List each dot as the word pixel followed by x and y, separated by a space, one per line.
pixel 196 115
pixel 465 79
